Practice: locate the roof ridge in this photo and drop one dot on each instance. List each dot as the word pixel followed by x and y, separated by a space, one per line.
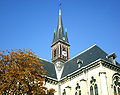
pixel 81 52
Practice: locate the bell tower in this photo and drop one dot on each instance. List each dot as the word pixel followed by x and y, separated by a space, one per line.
pixel 60 44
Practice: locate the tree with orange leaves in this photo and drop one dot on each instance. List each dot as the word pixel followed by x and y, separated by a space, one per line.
pixel 21 73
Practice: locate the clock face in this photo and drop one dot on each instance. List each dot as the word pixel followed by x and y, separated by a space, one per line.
pixel 64 53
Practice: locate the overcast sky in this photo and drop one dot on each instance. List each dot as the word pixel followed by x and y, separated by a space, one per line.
pixel 31 24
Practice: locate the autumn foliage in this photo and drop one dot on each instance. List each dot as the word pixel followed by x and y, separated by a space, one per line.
pixel 21 73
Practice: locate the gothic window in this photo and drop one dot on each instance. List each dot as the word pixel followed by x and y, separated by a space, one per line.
pixel 93 87
pixel 91 90
pixel 64 92
pixel 78 91
pixel 119 90
pixel 64 49
pixel 115 90
pixel 96 89
pixel 75 93
pixel 55 53
pixel 116 84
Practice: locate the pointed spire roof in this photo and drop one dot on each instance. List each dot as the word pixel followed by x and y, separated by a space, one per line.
pixel 60 36
pixel 66 37
pixel 54 36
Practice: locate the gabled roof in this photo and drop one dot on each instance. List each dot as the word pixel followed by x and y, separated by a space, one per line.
pixel 87 57
pixel 49 67
pixel 92 54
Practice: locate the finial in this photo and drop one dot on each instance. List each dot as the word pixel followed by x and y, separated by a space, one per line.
pixel 65 29
pixel 59 7
pixel 54 30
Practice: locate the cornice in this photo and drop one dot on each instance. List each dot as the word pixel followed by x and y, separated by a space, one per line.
pixel 61 42
pixel 82 70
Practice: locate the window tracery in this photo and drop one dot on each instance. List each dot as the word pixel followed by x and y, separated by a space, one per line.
pixel 64 92
pixel 93 87
pixel 116 84
pixel 78 91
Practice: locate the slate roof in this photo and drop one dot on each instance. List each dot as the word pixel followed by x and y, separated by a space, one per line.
pixel 88 56
pixel 49 67
pixel 92 54
pixel 60 35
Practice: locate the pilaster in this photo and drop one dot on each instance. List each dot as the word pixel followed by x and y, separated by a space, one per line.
pixel 103 78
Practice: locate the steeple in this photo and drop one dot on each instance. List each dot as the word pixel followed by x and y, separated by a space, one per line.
pixel 60 36
pixel 60 45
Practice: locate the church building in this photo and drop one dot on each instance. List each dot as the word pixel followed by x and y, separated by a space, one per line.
pixel 92 72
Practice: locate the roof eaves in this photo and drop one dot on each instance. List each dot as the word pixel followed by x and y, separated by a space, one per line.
pixel 59 41
pixel 110 63
pixel 52 78
pixel 100 59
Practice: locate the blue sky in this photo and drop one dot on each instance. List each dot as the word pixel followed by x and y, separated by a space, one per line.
pixel 31 24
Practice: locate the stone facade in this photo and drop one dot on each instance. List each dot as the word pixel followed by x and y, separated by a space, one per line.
pixel 96 79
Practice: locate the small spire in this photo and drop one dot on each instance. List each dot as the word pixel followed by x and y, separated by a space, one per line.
pixel 54 36
pixel 65 29
pixel 66 37
pixel 59 7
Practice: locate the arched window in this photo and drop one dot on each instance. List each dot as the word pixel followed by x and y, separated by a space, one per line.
pixel 119 90
pixel 115 93
pixel 78 91
pixel 64 49
pixel 96 89
pixel 75 93
pixel 93 87
pixel 91 90
pixel 116 84
pixel 64 92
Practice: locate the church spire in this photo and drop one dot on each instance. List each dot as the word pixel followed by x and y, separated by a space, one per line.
pixel 59 35
pixel 60 45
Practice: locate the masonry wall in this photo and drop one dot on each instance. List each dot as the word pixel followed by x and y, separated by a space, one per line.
pixel 102 75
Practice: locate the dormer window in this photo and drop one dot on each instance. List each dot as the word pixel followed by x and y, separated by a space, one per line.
pixel 112 57
pixel 79 62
